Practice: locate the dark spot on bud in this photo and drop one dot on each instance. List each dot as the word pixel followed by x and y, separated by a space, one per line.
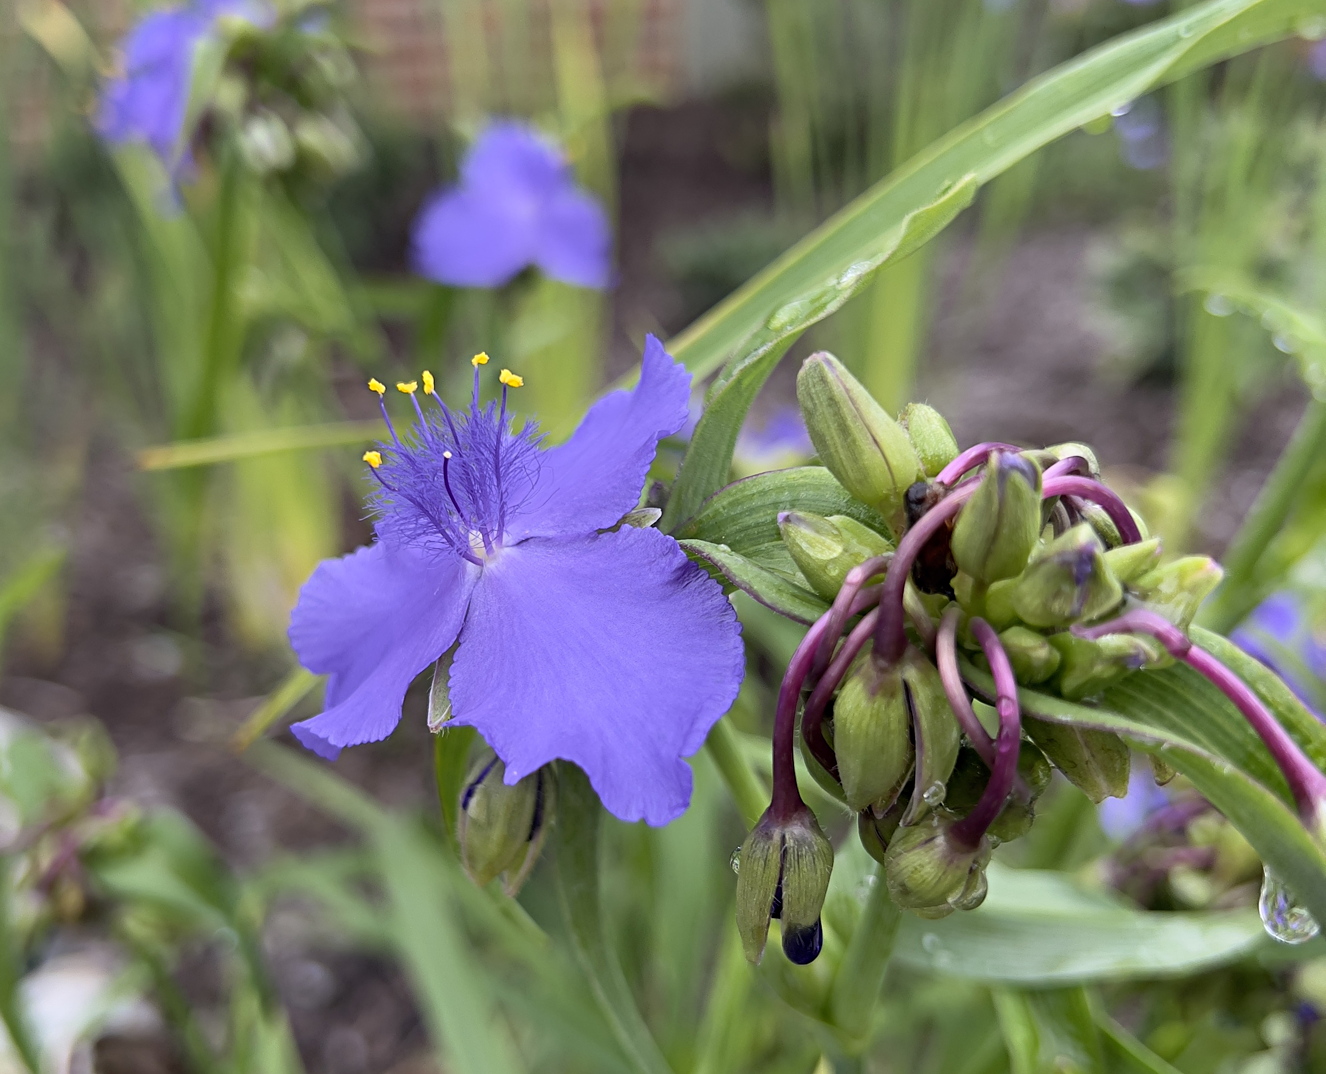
pixel 1009 463
pixel 474 784
pixel 536 821
pixel 803 946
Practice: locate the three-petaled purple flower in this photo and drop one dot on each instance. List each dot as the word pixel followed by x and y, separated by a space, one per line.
pixel 578 639
pixel 516 205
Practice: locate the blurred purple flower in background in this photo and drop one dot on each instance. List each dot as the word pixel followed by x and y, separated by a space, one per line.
pixel 1279 634
pixel 1143 141
pixel 1122 818
pixel 780 442
pixel 516 205
pixel 148 100
pixel 1317 60
pixel 605 647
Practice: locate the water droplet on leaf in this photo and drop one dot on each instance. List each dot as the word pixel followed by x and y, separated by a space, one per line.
pixel 933 795
pixel 1283 917
pixel 931 943
pixel 1218 305
pixel 735 860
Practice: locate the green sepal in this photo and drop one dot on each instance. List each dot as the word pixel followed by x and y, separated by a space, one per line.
pixel 934 732
pixel 1129 562
pixel 825 549
pixel 924 869
pixel 929 432
pixel 1097 762
pixel 872 735
pixel 998 528
pixel 793 859
pixel 501 828
pixel 1176 589
pixel 1066 582
pixel 1033 658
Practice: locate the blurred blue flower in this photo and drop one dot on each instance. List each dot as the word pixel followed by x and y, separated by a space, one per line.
pixel 606 647
pixel 1317 60
pixel 1143 141
pixel 782 441
pixel 1279 634
pixel 1121 818
pixel 148 100
pixel 516 205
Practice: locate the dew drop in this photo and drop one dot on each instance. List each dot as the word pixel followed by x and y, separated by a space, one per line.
pixel 735 860
pixel 866 885
pixel 1218 305
pixel 933 795
pixel 931 943
pixel 1121 109
pixel 1186 31
pixel 1284 343
pixel 1282 916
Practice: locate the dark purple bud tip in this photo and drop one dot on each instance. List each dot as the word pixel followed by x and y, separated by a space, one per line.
pixel 803 946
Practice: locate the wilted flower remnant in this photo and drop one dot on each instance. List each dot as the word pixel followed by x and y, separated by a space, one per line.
pixel 987 569
pixel 517 205
pixel 576 638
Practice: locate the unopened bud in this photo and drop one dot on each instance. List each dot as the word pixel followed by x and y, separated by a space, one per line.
pixel 1033 658
pixel 1129 562
pixel 783 873
pixel 872 723
pixel 935 444
pixel 501 828
pixel 875 830
pixel 970 775
pixel 924 867
pixel 1176 590
pixel 998 527
pixel 265 143
pixel 1096 762
pixel 1073 449
pixel 825 549
pixel 1087 667
pixel 865 449
pixel 1067 582
pixel 934 732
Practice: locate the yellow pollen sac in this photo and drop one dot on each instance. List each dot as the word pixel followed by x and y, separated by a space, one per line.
pixel 480 359
pixel 373 458
pixel 429 382
pixel 375 385
pixel 511 380
pixel 407 388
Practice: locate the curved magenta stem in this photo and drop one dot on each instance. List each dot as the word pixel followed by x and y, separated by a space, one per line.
pixel 970 459
pixel 1072 464
pixel 967 832
pixel 1101 495
pixel 946 659
pixel 1306 783
pixel 891 634
pixel 845 605
pixel 812 717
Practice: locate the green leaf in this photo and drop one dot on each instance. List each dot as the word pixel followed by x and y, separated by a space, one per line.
pixel 708 458
pixel 211 450
pixel 1050 1031
pixel 744 515
pixel 1085 88
pixel 577 875
pixel 770 588
pixel 1178 715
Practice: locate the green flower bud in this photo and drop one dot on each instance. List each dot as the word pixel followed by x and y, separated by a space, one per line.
pixel 1067 582
pixel 784 873
pixel 1129 562
pixel 1095 761
pixel 998 527
pixel 825 549
pixel 501 828
pixel 1033 658
pixel 865 449
pixel 924 868
pixel 872 723
pixel 934 731
pixel 1177 589
pixel 935 444
pixel 1088 667
pixel 876 831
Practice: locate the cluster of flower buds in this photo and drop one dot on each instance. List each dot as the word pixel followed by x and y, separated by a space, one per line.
pixel 283 92
pixel 1000 567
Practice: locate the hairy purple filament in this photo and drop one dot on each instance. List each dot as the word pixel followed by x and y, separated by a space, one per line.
pixel 1306 783
pixel 970 459
pixel 1101 495
pixel 786 796
pixel 967 832
pixel 946 659
pixel 891 635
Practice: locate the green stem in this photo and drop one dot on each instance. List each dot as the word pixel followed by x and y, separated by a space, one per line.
pixel 861 972
pixel 745 786
pixel 11 1001
pixel 1237 594
pixel 577 838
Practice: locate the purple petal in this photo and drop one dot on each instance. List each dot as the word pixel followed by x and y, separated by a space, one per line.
pixel 612 651
pixel 575 240
pixel 512 160
pixel 1279 616
pixel 471 238
pixel 373 620
pixel 593 479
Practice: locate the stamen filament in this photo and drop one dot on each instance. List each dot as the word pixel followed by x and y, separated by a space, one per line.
pixel 446 481
pixel 968 832
pixel 1306 783
pixel 946 659
pixel 1099 494
pixel 970 459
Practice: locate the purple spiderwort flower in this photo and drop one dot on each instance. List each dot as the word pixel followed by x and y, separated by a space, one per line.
pixel 605 647
pixel 1278 634
pixel 148 101
pixel 782 441
pixel 516 205
pixel 1123 817
pixel 1317 60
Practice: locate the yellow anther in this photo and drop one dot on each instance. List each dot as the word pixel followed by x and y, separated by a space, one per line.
pixel 480 359
pixel 407 387
pixel 429 382
pixel 373 458
pixel 510 379
pixel 375 385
